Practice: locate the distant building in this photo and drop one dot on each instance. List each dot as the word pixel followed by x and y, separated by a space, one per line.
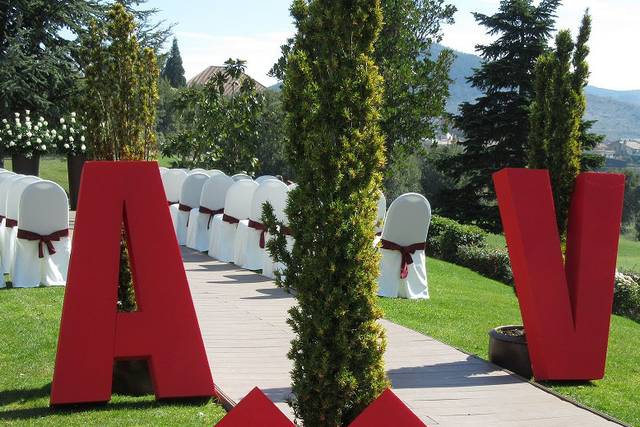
pixel 208 73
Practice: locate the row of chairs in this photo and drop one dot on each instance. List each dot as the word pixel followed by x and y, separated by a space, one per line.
pixel 34 231
pixel 221 215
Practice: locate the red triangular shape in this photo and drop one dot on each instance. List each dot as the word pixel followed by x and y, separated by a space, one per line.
pixel 255 410
pixel 387 410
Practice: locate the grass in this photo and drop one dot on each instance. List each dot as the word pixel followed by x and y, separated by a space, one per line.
pixel 28 336
pixel 628 251
pixel 464 306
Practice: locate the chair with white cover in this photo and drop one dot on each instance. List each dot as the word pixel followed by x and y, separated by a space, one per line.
pixel 11 221
pixel 189 201
pixel 269 266
pixel 197 170
pixel 212 198
pixel 172 181
pixel 251 235
pixel 42 245
pixel 382 212
pixel 403 271
pixel 264 178
pixel 241 176
pixel 163 170
pixel 237 207
pixel 213 172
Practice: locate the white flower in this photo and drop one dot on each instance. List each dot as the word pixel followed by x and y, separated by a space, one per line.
pixel 18 125
pixel 84 128
pixel 61 119
pixel 71 130
pixel 17 115
pixel 27 119
pixel 53 132
pixel 83 147
pixel 29 134
pixel 46 123
pixel 64 127
pixel 73 114
pixel 43 147
pixel 7 126
pixel 39 141
pixel 82 138
pixel 27 112
pixel 59 137
pixel 41 119
pixel 4 121
pixel 73 119
pixel 11 144
pixel 28 144
pixel 28 125
pixel 70 139
pixel 66 146
pixel 9 132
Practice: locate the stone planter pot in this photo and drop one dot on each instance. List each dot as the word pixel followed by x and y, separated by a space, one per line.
pixel 24 165
pixel 508 349
pixel 75 163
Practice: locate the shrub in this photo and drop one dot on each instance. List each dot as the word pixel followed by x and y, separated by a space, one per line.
pixel 491 263
pixel 446 236
pixel 626 296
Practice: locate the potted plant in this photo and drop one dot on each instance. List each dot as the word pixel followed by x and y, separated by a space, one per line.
pixel 26 140
pixel 508 349
pixel 70 140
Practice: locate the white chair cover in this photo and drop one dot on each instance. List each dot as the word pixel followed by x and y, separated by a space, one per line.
pixel 269 267
pixel 172 181
pixel 213 172
pixel 407 224
pixel 241 176
pixel 264 178
pixel 197 170
pixel 189 202
pixel 5 178
pixel 43 209
pixel 212 198
pixel 163 170
pixel 237 205
pixel 248 252
pixel 382 212
pixel 12 209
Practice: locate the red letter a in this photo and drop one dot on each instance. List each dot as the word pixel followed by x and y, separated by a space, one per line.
pixel 164 330
pixel 566 307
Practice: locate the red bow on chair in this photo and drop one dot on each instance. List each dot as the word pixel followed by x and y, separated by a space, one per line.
pixel 211 213
pixel 260 227
pixel 230 219
pixel 43 240
pixel 406 252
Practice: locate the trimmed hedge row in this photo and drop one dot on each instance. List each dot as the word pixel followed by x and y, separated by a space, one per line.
pixel 466 245
pixel 626 296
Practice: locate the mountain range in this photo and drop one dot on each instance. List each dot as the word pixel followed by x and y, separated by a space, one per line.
pixel 617 113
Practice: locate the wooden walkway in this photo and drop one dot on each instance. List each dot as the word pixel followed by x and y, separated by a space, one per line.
pixel 243 320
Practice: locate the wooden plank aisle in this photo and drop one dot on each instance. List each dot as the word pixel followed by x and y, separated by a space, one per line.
pixel 243 320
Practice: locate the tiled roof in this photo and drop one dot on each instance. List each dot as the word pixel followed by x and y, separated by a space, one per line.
pixel 209 72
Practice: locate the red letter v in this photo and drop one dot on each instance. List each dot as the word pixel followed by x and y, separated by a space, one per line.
pixel 566 308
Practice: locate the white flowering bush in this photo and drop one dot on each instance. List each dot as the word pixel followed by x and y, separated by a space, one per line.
pixel 70 136
pixel 26 136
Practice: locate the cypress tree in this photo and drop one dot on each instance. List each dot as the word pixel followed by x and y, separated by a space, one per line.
pixel 496 126
pixel 333 94
pixel 173 70
pixel 556 115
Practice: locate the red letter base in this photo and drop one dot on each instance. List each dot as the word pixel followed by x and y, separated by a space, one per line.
pixel 565 306
pixel 93 333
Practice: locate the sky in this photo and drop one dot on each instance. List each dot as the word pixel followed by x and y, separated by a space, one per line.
pixel 211 31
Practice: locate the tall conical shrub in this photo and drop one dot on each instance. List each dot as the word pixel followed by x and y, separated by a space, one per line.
pixel 333 94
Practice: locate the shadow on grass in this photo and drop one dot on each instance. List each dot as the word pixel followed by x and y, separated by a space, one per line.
pixel 13 396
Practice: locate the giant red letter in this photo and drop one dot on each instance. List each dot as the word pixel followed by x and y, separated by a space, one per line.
pixel 566 307
pixel 93 333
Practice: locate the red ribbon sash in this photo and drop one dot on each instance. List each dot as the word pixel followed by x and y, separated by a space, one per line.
pixel 230 219
pixel 211 213
pixel 185 208
pixel 43 240
pixel 406 252
pixel 10 223
pixel 260 227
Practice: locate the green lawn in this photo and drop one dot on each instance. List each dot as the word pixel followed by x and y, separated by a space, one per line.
pixel 30 320
pixel 628 251
pixel 464 306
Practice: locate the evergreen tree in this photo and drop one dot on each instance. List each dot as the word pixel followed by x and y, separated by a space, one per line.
pixel 556 115
pixel 173 70
pixel 416 84
pixel 333 94
pixel 496 126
